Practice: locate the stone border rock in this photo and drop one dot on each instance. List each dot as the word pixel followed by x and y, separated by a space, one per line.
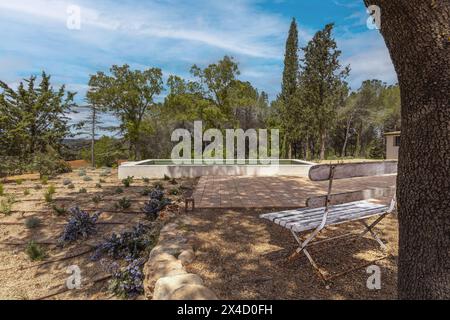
pixel 165 275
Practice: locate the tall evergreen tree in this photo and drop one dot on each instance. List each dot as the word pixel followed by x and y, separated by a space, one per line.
pixel 33 117
pixel 323 85
pixel 289 88
pixel 91 124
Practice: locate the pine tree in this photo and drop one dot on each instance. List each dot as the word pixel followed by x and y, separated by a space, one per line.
pixel 91 124
pixel 289 88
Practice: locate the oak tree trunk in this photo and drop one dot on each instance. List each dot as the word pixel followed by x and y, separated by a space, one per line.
pixel 417 34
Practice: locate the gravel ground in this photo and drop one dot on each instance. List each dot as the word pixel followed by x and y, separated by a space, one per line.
pixel 243 257
pixel 19 279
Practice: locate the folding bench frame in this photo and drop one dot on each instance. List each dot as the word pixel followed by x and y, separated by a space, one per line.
pixel 303 245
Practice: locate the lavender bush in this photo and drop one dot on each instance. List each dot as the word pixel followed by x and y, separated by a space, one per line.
pixel 80 226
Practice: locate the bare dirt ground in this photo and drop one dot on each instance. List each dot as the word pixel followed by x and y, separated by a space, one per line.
pixel 241 256
pixel 21 278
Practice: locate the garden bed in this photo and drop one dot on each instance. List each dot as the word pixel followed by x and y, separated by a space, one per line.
pixel 45 278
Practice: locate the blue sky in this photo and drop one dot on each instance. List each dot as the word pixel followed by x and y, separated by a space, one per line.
pixel 175 34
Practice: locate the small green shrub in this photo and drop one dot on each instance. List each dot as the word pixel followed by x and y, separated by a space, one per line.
pixel 59 211
pixel 96 199
pixel 2 189
pixel 98 186
pixel 19 182
pixel 146 180
pixel 48 197
pixel 82 173
pixel 35 252
pixel 106 172
pixel 146 191
pixel 67 182
pixel 6 205
pixel 26 192
pixel 82 190
pixel 123 204
pixel 118 190
pixel 87 179
pixel 127 182
pixel 32 223
pixel 44 180
pixel 158 185
pixel 51 189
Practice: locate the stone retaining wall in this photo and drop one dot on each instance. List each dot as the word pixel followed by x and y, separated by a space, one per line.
pixel 165 275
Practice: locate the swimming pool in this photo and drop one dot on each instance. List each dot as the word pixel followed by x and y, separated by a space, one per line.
pixel 158 168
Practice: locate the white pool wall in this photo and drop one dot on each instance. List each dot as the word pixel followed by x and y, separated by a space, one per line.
pixel 135 169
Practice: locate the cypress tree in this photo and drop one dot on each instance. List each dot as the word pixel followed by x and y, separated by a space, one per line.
pixel 289 87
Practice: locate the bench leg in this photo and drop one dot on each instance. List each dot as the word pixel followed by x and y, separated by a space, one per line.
pixel 369 229
pixel 302 248
pixel 320 273
pixel 323 274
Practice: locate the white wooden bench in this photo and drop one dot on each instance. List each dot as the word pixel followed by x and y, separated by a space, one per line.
pixel 315 220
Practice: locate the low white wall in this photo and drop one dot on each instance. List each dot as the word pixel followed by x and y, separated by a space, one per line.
pixel 194 171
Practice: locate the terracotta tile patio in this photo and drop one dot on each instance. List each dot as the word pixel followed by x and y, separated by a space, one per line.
pixel 274 192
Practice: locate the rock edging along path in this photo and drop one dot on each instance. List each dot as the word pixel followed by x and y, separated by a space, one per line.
pixel 165 274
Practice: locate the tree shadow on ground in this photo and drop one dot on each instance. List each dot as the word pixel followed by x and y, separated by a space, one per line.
pixel 241 256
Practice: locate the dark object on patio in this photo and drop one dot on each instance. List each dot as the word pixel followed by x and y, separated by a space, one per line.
pixel 188 201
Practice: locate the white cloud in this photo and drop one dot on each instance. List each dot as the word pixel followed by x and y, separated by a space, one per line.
pixel 368 57
pixel 168 34
pixel 233 26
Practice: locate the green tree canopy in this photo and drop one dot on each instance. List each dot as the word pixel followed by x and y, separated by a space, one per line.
pixel 33 117
pixel 322 83
pixel 289 103
pixel 129 94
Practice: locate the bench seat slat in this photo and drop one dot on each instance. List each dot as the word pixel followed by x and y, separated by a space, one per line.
pixel 308 219
pixel 306 211
pixel 331 215
pixel 333 211
pixel 338 220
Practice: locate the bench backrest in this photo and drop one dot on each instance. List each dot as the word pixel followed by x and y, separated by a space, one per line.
pixel 352 170
pixel 352 196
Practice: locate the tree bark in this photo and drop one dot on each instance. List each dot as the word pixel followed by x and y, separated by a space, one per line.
pixel 307 149
pixel 417 34
pixel 323 147
pixel 94 121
